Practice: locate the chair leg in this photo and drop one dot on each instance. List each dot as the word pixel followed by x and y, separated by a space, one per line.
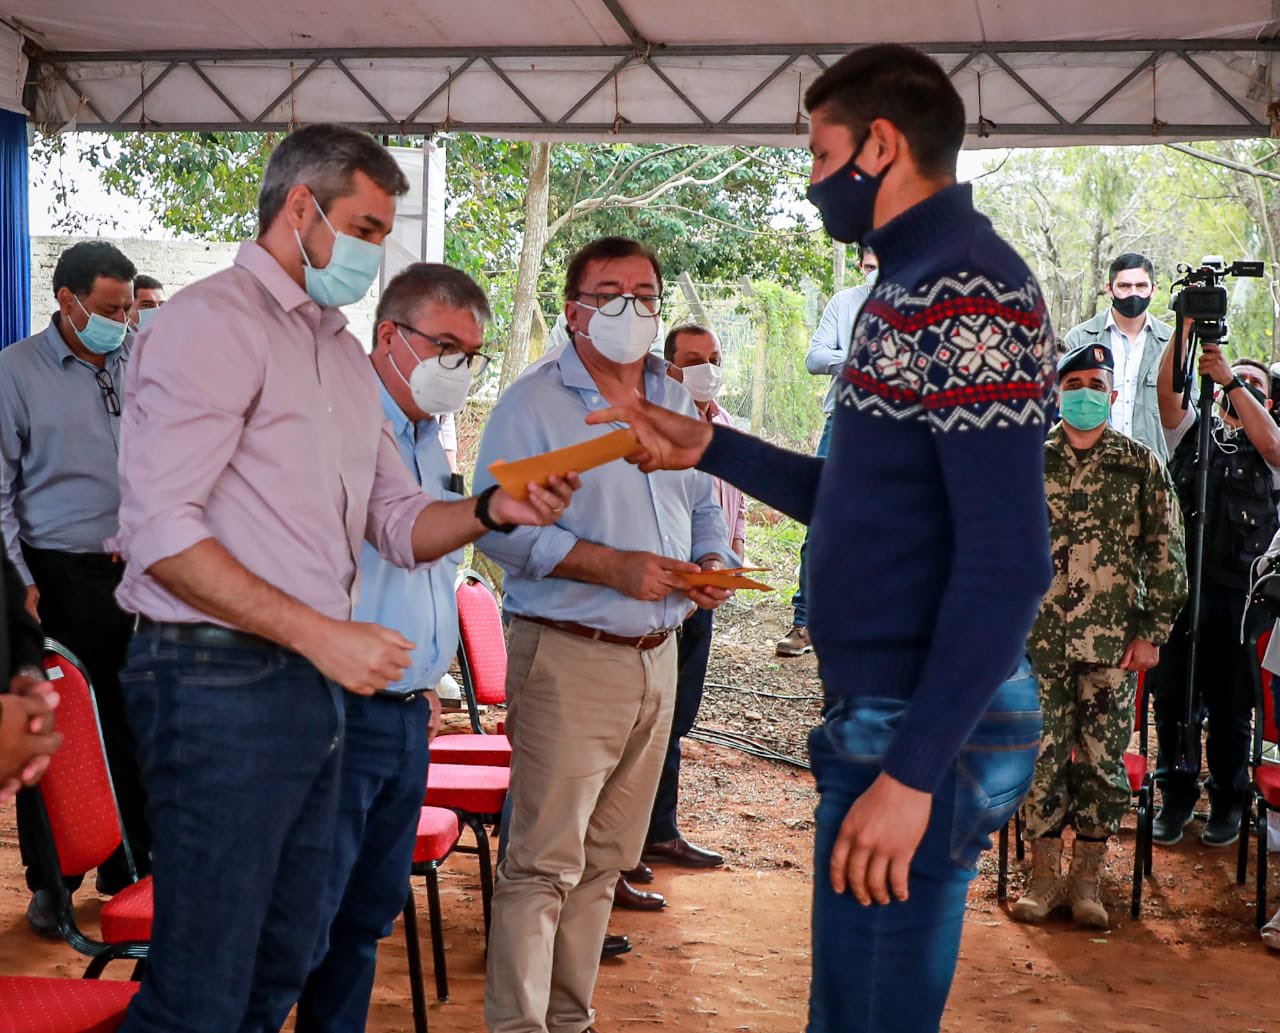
pixel 1261 902
pixel 1020 844
pixel 413 952
pixel 1139 860
pixel 1242 852
pixel 486 870
pixel 1148 840
pixel 98 965
pixel 437 934
pixel 1002 876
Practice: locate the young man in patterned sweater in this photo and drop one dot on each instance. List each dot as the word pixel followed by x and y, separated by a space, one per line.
pixel 929 539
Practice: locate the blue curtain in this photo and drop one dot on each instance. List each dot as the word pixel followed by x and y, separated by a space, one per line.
pixel 15 238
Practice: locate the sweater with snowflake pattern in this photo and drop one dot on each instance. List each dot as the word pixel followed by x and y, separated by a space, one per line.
pixel 928 539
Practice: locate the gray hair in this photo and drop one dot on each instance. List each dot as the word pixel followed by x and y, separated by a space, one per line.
pixel 423 282
pixel 324 158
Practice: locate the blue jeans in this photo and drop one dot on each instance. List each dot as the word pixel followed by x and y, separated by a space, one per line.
pixel 888 968
pixel 384 777
pixel 239 749
pixel 798 604
pixel 692 653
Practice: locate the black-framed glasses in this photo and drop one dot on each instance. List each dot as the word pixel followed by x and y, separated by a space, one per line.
pixel 451 356
pixel 611 304
pixel 108 387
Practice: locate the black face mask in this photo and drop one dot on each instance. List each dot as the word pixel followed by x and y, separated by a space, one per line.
pixel 1132 306
pixel 1230 410
pixel 846 199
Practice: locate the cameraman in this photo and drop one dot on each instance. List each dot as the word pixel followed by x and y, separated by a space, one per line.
pixel 1243 461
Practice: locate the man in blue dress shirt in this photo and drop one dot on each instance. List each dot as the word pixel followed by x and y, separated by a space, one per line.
pixel 61 397
pixel 427 337
pixel 594 601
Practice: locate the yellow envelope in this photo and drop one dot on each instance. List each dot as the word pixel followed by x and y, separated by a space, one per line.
pixel 731 578
pixel 517 476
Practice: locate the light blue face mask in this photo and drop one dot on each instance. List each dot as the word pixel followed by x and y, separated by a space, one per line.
pixel 352 268
pixel 145 314
pixel 1084 408
pixel 100 335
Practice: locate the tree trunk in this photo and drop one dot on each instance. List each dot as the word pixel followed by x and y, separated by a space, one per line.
pixel 839 259
pixel 532 247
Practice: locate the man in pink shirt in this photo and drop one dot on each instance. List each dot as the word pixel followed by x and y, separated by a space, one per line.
pixel 255 458
pixel 694 355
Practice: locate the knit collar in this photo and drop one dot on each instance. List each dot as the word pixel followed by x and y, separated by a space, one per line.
pixel 917 231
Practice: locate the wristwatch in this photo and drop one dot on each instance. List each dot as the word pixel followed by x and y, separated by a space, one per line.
pixel 482 512
pixel 1232 384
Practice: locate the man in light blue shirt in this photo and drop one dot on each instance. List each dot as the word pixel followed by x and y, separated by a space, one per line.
pixel 428 331
pixel 594 601
pixel 61 399
pixel 828 349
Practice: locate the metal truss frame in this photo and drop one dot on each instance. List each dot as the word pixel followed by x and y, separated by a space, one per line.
pixel 73 71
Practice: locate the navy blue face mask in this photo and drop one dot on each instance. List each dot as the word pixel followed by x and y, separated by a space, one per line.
pixel 846 200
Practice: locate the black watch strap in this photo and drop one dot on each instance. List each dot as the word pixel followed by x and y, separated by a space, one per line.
pixel 482 512
pixel 1232 384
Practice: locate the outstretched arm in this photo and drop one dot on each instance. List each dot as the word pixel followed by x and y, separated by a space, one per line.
pixel 785 480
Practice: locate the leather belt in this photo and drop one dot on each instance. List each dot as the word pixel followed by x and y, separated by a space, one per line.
pixel 642 642
pixel 400 697
pixel 204 634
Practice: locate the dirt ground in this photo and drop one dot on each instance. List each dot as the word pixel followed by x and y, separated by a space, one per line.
pixel 730 954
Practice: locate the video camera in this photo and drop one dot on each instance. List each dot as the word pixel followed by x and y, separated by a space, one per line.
pixel 1203 300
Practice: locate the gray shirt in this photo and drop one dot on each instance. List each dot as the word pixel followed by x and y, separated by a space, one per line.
pixel 829 346
pixel 59 487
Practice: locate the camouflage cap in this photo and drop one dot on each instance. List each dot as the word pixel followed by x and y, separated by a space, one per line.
pixel 1087 356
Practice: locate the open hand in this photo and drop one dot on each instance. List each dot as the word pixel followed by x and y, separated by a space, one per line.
pixel 708 597
pixel 668 440
pixel 650 577
pixel 878 839
pixel 544 505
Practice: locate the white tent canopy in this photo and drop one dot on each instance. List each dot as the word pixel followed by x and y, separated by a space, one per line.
pixel 1030 71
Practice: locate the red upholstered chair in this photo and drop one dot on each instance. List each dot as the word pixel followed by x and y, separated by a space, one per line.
pixel 476 792
pixel 1141 785
pixel 438 832
pixel 36 1004
pixel 78 824
pixel 482 657
pixel 1263 792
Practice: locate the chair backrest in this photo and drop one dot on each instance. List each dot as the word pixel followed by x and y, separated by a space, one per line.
pixel 482 647
pixel 76 789
pixel 1268 710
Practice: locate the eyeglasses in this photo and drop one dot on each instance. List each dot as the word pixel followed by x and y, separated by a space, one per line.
pixel 109 397
pixel 451 356
pixel 615 304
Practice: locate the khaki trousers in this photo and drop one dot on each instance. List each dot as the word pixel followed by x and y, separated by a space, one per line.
pixel 589 724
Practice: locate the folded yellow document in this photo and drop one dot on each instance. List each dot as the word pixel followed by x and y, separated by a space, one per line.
pixel 516 477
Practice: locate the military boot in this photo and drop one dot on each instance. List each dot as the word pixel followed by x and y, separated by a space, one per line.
pixel 1048 890
pixel 1084 880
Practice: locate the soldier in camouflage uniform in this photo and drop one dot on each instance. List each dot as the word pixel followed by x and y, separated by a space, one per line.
pixel 1119 582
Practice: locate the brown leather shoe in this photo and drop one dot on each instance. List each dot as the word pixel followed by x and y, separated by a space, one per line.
pixel 641 873
pixel 614 946
pixel 680 851
pixel 626 895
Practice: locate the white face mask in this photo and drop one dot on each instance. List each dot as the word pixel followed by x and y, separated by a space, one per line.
pixel 872 276
pixel 623 339
pixel 703 381
pixel 435 389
